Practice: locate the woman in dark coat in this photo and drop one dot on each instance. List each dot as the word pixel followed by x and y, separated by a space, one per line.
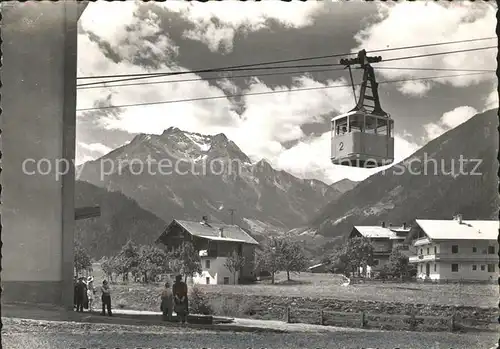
pixel 180 293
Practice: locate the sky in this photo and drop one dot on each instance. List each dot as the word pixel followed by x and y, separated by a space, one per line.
pixel 290 128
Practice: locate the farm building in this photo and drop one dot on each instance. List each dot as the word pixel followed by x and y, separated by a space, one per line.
pixel 384 240
pixel 215 242
pixel 456 249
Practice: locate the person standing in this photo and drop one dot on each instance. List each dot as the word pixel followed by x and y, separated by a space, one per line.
pixel 75 291
pixel 90 292
pixel 179 291
pixel 106 298
pixel 80 295
pixel 167 302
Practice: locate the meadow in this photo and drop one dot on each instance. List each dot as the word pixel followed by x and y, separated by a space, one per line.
pixel 319 286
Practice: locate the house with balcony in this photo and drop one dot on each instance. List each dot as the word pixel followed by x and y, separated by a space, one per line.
pixel 456 250
pixel 384 240
pixel 214 242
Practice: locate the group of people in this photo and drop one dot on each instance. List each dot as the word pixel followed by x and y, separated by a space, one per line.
pixel 84 292
pixel 175 299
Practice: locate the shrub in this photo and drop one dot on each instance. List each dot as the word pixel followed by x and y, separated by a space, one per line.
pixel 121 303
pixel 198 303
pixel 231 307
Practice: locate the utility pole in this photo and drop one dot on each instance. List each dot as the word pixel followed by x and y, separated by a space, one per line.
pixel 231 211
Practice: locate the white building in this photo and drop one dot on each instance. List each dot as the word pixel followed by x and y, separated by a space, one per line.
pixel 214 242
pixel 456 250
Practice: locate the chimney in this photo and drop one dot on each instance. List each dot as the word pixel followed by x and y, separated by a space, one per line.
pixel 458 218
pixel 404 225
pixel 390 224
pixel 204 220
pixel 221 232
pixel 383 224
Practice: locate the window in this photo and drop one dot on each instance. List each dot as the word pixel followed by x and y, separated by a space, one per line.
pixel 484 251
pixel 207 264
pixel 491 268
pixel 421 267
pixel 427 250
pixel 341 126
pixel 491 249
pixel 454 249
pixel 226 280
pixel 356 123
pixel 421 251
pixel 435 250
pixel 381 127
pixel 375 262
pixel 474 249
pixel 482 267
pixel 370 124
pixel 207 279
pixel 474 267
pixel 454 268
pixel 435 267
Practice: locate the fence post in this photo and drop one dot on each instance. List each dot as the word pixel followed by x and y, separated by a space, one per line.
pixel 413 321
pixel 287 316
pixel 363 319
pixel 321 318
pixel 452 322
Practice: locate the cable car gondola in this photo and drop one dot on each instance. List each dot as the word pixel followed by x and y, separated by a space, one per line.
pixel 363 137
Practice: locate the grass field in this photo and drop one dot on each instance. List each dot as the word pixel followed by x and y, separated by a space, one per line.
pixel 327 286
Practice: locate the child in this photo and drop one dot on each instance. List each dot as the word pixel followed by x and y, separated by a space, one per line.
pixel 166 302
pixel 90 291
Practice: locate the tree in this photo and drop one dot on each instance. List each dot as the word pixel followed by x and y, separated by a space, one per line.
pixel 355 253
pixel 82 259
pixel 398 265
pixel 339 261
pixel 234 263
pixel 185 260
pixel 129 258
pixel 292 256
pixel 108 266
pixel 151 261
pixel 268 259
pixel 360 252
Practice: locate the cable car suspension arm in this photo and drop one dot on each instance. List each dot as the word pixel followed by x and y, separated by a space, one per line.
pixel 368 77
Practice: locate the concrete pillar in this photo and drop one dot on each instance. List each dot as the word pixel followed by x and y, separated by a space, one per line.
pixel 38 127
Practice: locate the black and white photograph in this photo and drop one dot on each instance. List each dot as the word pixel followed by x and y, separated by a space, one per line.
pixel 249 174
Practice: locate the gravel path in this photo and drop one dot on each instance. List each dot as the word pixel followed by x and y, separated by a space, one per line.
pixel 31 334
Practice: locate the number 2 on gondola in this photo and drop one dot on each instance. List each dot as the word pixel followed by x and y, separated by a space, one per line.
pixel 341 146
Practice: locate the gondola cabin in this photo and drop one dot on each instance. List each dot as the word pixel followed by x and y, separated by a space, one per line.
pixel 361 139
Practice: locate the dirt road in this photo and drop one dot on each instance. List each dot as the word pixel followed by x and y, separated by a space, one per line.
pixel 31 334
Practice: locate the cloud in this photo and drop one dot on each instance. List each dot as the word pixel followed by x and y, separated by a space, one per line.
pixel 126 31
pixel 491 100
pixel 216 23
pixel 96 148
pixel 449 120
pixel 405 24
pixel 415 88
pixel 90 151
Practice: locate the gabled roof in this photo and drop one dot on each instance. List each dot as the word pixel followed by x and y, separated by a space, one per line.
pixel 454 230
pixel 231 233
pixel 375 231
